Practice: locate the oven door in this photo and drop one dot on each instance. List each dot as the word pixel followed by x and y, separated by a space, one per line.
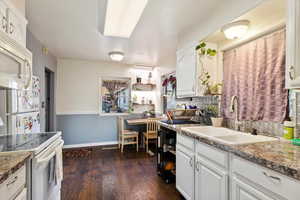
pixel 42 188
pixel 15 72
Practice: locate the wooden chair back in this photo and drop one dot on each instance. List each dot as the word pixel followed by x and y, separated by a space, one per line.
pixel 152 126
pixel 120 125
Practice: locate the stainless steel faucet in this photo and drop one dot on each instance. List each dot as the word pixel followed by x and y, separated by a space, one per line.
pixel 234 108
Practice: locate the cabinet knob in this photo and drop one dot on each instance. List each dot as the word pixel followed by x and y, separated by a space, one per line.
pixel 11 28
pixel 292 72
pixel 197 166
pixel 191 162
pixel 4 23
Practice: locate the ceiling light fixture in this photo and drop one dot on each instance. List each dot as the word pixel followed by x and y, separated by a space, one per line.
pixel 122 16
pixel 236 29
pixel 116 56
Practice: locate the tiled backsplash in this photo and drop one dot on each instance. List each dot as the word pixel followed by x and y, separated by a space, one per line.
pixel 200 102
pixel 263 128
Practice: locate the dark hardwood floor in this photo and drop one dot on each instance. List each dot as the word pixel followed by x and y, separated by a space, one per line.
pixel 106 174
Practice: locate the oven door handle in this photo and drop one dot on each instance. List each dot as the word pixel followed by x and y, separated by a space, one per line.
pixel 43 159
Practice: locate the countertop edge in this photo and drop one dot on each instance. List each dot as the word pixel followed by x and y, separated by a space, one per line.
pixel 4 175
pixel 236 150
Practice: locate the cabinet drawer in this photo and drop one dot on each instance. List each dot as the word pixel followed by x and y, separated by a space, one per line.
pixel 186 141
pixel 14 184
pixel 213 154
pixel 22 195
pixel 277 183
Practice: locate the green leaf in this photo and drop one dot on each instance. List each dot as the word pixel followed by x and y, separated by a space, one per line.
pixel 198 47
pixel 203 44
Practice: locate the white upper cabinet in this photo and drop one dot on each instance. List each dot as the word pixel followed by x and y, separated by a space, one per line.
pixel 293 44
pixel 17 27
pixel 186 72
pixel 13 23
pixel 3 16
pixel 190 69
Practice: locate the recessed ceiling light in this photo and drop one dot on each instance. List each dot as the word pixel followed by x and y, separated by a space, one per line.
pixel 122 16
pixel 116 56
pixel 236 29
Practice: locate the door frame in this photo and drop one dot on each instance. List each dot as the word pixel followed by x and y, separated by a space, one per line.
pixel 49 91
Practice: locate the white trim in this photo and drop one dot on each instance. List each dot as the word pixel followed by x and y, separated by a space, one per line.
pixel 113 114
pixel 78 113
pixel 70 146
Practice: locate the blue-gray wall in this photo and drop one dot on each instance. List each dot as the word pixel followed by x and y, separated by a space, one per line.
pixel 41 61
pixel 81 129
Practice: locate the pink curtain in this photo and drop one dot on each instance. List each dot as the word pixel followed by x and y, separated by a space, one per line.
pixel 255 73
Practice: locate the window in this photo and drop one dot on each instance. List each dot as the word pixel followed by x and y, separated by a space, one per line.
pixel 115 95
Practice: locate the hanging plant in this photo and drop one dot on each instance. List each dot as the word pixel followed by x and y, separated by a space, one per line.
pixel 204 78
pixel 202 50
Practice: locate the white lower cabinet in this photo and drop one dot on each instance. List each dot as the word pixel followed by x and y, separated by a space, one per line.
pixel 211 182
pixel 185 172
pixel 244 191
pixel 13 188
pixel 204 172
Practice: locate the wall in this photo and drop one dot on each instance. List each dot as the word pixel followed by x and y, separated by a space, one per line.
pixel 20 5
pixel 41 61
pixel 222 15
pixel 78 99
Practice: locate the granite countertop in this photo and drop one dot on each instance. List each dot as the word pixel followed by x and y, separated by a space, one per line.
pixel 280 156
pixel 10 162
pixel 176 127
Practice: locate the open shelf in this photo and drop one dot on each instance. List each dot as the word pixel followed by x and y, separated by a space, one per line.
pixel 143 87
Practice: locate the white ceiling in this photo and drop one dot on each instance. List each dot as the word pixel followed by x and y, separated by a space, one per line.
pixel 267 14
pixel 69 28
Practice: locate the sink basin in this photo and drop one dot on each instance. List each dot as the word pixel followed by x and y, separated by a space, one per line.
pixel 211 131
pixel 227 136
pixel 244 139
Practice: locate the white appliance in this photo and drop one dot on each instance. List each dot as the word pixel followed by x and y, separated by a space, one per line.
pixel 15 64
pixel 42 186
pixel 23 109
pixel 46 148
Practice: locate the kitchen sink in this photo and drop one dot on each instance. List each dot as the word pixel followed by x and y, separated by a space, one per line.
pixel 244 139
pixel 210 131
pixel 227 136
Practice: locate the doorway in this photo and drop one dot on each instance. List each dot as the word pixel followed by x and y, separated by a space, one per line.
pixel 49 100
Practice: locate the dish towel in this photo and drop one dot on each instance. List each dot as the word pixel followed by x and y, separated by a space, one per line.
pixel 58 165
pixel 51 171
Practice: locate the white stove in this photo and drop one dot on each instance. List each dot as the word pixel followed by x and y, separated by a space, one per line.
pixel 45 164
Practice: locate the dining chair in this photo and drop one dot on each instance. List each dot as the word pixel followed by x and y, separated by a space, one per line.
pixel 151 133
pixel 127 137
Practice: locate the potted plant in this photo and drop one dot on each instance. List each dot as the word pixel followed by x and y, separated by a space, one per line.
pixel 204 77
pixel 216 120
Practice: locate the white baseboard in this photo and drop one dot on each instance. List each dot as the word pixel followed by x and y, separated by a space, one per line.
pixel 69 146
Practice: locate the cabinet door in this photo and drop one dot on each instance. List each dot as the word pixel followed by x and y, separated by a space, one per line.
pixel 243 191
pixel 293 44
pixel 210 183
pixel 17 27
pixel 186 72
pixel 3 16
pixel 185 173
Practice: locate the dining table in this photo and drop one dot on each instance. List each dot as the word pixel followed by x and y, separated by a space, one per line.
pixel 141 123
